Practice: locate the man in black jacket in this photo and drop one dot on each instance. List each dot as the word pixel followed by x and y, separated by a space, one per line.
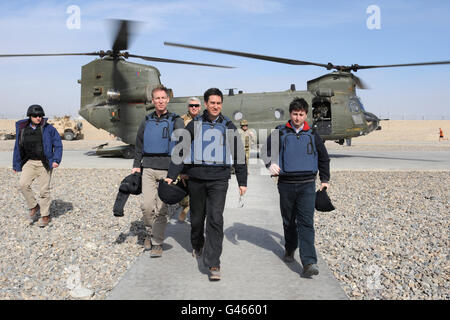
pixel 296 157
pixel 153 149
pixel 209 170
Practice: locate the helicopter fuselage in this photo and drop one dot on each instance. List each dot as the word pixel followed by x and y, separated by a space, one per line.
pixel 116 96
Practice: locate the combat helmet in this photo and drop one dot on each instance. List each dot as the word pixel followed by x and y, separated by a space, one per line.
pixel 171 193
pixel 35 109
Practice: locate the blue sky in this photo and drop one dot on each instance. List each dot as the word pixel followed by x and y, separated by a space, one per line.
pixel 320 31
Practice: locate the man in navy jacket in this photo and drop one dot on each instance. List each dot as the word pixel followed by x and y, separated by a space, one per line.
pixel 295 159
pixel 37 151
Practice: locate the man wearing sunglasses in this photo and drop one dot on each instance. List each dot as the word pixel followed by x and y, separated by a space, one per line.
pixel 194 107
pixel 37 151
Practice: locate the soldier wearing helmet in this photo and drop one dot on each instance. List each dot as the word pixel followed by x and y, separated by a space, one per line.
pixel 248 138
pixel 37 151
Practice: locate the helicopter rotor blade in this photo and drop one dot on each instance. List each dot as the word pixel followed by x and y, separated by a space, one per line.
pixel 358 67
pixel 251 55
pixel 50 54
pixel 177 61
pixel 123 34
pixel 360 83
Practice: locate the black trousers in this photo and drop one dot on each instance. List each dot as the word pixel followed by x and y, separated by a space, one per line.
pixel 207 201
pixel 297 210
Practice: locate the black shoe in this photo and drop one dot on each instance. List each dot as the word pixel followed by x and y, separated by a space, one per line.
pixel 289 256
pixel 310 270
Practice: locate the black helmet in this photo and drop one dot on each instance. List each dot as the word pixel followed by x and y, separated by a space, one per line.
pixel 323 202
pixel 171 193
pixel 35 110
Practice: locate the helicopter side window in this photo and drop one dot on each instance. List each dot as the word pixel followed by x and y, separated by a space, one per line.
pixel 237 115
pixel 361 105
pixel 353 106
pixel 279 114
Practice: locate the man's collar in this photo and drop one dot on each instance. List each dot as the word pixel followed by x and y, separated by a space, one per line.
pixel 305 126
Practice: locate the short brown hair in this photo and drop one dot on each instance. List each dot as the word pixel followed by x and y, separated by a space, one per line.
pixel 160 88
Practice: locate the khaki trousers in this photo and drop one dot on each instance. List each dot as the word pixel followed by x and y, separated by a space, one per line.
pixel 34 169
pixel 154 210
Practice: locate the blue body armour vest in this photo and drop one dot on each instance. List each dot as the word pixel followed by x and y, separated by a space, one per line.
pixel 209 146
pixel 157 135
pixel 298 154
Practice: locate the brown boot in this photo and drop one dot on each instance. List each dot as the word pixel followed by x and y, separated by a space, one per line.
pixel 34 211
pixel 183 214
pixel 44 221
pixel 147 243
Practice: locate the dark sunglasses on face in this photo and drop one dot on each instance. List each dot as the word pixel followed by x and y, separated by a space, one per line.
pixel 36 116
pixel 194 105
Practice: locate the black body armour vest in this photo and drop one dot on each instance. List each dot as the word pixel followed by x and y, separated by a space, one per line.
pixel 32 143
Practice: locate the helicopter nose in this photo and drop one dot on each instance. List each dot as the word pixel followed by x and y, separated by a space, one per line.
pixel 372 121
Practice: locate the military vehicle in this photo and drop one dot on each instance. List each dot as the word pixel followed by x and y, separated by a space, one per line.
pixel 7 134
pixel 116 95
pixel 67 128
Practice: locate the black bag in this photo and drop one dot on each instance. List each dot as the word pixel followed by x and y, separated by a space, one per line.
pixel 323 202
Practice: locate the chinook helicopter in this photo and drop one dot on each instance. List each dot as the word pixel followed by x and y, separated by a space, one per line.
pixel 337 112
pixel 116 95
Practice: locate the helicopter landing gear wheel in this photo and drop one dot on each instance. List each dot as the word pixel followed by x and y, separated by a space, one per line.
pixel 68 135
pixel 348 142
pixel 128 153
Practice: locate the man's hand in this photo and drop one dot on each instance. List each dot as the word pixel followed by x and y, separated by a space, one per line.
pixel 14 171
pixel 55 165
pixel 135 170
pixel 323 185
pixel 242 190
pixel 168 180
pixel 274 169
pixel 183 178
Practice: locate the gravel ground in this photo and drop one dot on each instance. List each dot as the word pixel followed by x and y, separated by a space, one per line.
pixel 389 227
pixel 389 237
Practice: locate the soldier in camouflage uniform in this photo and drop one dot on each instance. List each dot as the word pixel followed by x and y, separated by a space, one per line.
pixel 194 107
pixel 248 139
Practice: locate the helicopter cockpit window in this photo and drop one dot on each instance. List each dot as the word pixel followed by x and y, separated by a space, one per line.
pixel 361 105
pixel 353 106
pixel 237 115
pixel 279 114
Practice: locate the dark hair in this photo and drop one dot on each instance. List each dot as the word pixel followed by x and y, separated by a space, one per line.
pixel 298 104
pixel 212 92
pixel 160 88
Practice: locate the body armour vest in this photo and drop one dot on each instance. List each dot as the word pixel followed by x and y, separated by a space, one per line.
pixel 157 135
pixel 32 143
pixel 298 154
pixel 210 145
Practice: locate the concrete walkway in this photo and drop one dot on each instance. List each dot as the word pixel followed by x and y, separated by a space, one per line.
pixel 251 263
